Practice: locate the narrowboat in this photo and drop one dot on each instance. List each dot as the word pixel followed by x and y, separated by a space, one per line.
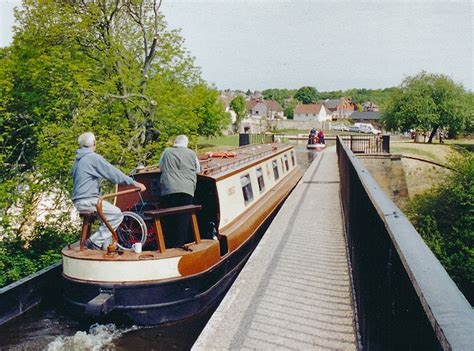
pixel 237 192
pixel 316 146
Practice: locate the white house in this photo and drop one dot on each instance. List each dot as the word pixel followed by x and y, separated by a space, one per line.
pixel 258 108
pixel 311 112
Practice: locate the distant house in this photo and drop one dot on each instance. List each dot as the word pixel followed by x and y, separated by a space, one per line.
pixel 366 117
pixel 369 106
pixel 274 109
pixel 311 112
pixel 340 108
pixel 258 108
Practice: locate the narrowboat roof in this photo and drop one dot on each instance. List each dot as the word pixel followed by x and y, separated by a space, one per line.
pixel 222 163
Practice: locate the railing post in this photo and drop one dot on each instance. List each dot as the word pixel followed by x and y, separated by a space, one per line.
pixel 244 139
pixel 386 143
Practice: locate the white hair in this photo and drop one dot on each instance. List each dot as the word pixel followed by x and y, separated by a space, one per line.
pixel 86 139
pixel 181 140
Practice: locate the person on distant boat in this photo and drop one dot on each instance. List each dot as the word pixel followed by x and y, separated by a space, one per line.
pixel 179 166
pixel 312 134
pixel 87 171
pixel 321 137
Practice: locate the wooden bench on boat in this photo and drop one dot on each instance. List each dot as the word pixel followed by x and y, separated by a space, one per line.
pixel 158 214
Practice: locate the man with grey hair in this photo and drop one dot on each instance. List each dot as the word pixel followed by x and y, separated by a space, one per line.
pixel 88 170
pixel 179 166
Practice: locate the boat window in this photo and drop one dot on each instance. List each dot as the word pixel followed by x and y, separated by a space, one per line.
pixel 286 162
pixel 246 188
pixel 282 165
pixel 261 181
pixel 293 158
pixel 275 169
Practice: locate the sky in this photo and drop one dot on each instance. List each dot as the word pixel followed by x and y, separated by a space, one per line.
pixel 331 45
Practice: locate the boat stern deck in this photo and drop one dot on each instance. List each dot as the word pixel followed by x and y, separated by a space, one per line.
pixel 130 267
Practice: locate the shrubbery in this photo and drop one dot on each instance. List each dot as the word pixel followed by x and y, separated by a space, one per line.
pixel 444 216
pixel 17 262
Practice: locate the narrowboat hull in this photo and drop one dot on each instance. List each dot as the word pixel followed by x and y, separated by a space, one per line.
pixel 165 285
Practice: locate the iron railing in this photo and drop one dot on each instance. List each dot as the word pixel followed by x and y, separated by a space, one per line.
pixel 247 139
pixel 367 144
pixel 404 298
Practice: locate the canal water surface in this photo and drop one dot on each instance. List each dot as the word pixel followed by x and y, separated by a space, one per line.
pixel 49 327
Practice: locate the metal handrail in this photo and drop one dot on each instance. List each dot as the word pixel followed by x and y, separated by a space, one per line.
pixel 237 162
pixel 403 295
pixel 101 213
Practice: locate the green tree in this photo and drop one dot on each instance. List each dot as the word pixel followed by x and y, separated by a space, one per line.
pixel 290 107
pixel 289 112
pixel 428 102
pixel 444 217
pixel 380 97
pixel 307 95
pixel 282 96
pixel 210 110
pixel 238 105
pixel 468 104
pixel 110 67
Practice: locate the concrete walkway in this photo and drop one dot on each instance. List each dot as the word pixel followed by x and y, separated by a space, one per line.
pixel 294 292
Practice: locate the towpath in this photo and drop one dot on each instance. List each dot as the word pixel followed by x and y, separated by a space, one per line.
pixel 295 290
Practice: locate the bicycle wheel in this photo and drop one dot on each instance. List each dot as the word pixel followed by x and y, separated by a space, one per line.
pixel 132 230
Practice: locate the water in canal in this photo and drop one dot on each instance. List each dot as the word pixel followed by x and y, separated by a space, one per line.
pixel 48 327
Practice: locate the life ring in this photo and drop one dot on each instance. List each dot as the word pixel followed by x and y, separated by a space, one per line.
pixel 222 154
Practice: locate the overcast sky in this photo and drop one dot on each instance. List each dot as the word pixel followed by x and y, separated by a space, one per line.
pixel 330 45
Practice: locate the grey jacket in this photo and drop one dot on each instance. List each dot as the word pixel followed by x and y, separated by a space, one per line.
pixel 179 166
pixel 87 171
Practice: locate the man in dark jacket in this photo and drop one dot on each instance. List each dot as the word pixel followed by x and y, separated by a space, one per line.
pixel 88 170
pixel 179 166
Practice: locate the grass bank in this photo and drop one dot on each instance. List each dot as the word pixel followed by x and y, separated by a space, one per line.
pixel 222 142
pixel 421 176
